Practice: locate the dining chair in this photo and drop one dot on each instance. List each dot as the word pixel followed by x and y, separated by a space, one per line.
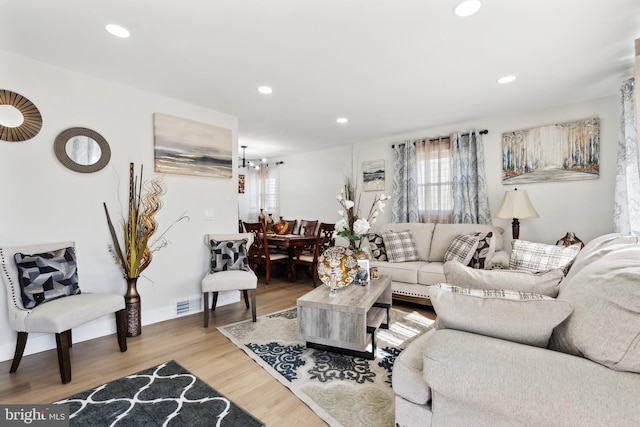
pixel 291 229
pixel 229 270
pixel 44 296
pixel 324 240
pixel 308 227
pixel 259 253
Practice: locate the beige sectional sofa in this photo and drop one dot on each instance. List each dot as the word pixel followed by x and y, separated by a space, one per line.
pixel 586 372
pixel 410 280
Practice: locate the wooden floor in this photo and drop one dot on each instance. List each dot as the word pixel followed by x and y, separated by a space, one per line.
pixel 205 352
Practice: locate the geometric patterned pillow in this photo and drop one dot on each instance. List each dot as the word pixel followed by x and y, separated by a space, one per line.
pixel 400 246
pixel 486 248
pixel 537 257
pixel 376 245
pixel 229 255
pixel 462 248
pixel 47 276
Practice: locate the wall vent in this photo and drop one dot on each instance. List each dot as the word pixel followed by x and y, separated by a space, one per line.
pixel 188 306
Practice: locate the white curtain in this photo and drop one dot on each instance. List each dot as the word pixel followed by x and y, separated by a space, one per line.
pixel 262 189
pixel 470 199
pixel 626 217
pixel 434 175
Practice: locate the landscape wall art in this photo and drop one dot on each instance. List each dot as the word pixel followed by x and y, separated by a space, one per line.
pixel 191 148
pixel 373 175
pixel 560 152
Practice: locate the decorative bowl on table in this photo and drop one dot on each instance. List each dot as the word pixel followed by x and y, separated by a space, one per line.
pixel 337 267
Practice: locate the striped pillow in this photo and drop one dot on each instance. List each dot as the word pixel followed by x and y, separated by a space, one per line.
pixel 462 248
pixel 537 257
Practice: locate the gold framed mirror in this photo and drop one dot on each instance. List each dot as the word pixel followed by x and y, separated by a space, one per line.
pixel 31 119
pixel 82 150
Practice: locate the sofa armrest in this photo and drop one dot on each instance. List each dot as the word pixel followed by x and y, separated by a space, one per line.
pixel 529 385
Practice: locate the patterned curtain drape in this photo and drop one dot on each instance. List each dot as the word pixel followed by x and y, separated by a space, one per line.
pixel 626 216
pixel 433 163
pixel 404 206
pixel 470 199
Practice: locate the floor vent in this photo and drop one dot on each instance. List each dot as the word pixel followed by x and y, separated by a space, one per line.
pixel 189 306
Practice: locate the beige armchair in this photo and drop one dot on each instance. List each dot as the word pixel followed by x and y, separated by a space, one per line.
pixel 53 305
pixel 229 270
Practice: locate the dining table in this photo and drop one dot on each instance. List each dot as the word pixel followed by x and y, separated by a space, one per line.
pixel 290 242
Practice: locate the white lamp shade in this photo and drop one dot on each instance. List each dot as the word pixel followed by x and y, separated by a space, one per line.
pixel 516 204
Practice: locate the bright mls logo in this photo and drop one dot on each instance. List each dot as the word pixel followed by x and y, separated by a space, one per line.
pixel 36 415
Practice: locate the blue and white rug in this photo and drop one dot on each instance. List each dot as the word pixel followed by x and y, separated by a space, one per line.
pixel 345 391
pixel 165 395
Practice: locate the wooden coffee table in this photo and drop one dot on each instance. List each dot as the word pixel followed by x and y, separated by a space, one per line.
pixel 344 323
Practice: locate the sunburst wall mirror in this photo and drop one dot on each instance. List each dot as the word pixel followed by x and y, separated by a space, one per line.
pixel 22 128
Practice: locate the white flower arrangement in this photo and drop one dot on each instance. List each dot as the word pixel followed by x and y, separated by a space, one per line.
pixel 351 226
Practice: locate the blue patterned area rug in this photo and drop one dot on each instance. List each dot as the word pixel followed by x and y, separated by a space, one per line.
pixel 344 391
pixel 165 395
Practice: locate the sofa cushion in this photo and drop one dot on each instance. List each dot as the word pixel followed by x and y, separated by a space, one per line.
pixel 407 371
pixel 605 294
pixel 462 248
pixel 400 246
pixel 422 235
pixel 537 257
pixel 444 234
pixel 47 276
pixel 431 273
pixel 376 246
pixel 510 315
pixel 545 283
pixel 485 250
pixel 400 271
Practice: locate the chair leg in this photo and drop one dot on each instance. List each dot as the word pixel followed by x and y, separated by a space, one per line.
pixel 246 297
pixel 21 342
pixel 253 304
pixel 267 275
pixel 121 329
pixel 206 309
pixel 214 302
pixel 64 360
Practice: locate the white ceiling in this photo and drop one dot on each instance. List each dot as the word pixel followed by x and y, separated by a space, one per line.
pixel 390 66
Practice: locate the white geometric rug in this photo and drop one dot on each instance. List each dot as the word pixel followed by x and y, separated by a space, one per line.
pixel 345 391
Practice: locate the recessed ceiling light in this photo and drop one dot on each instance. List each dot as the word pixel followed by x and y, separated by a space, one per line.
pixel 467 7
pixel 265 89
pixel 118 31
pixel 506 79
pixel 342 120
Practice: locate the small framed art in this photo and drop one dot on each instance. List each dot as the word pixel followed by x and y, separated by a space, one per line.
pixel 362 276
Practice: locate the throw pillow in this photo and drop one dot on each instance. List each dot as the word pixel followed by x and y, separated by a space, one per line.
pixel 546 283
pixel 537 257
pixel 509 315
pixel 485 250
pixel 46 276
pixel 462 248
pixel 376 245
pixel 229 255
pixel 400 246
pixel 605 295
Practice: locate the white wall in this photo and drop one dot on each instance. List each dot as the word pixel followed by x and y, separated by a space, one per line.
pixel 310 181
pixel 43 201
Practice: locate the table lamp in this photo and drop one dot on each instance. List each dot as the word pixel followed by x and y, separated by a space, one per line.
pixel 516 205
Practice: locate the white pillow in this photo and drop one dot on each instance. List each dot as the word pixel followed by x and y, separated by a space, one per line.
pixel 400 246
pixel 509 315
pixel 462 248
pixel 537 257
pixel 545 283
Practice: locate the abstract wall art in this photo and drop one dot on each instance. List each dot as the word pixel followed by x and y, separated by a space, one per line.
pixel 373 175
pixel 191 148
pixel 559 152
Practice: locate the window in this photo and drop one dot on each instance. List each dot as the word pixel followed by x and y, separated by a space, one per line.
pixel 434 180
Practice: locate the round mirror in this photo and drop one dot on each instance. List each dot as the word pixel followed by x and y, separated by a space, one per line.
pixel 20 125
pixel 82 150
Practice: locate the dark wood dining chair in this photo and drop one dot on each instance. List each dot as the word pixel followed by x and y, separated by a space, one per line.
pixel 324 240
pixel 308 227
pixel 259 253
pixel 293 223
